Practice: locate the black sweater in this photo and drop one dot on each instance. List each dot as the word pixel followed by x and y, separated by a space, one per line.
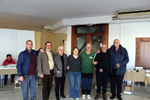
pixel 104 61
pixel 74 64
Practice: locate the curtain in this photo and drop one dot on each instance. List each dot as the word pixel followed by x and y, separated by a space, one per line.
pixel 145 55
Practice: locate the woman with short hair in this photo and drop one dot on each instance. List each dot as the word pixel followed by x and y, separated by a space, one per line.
pixel 60 72
pixel 74 73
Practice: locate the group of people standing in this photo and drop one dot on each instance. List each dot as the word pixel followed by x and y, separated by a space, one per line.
pixel 77 67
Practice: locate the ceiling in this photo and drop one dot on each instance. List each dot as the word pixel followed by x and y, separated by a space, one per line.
pixel 33 14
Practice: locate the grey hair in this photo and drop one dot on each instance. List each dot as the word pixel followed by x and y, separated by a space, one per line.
pixel 60 47
pixel 116 39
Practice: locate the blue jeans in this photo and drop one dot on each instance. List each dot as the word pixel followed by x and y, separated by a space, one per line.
pixel 29 82
pixel 87 83
pixel 74 82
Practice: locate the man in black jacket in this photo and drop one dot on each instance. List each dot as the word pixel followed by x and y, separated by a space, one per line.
pixel 102 64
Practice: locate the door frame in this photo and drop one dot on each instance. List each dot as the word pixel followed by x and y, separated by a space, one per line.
pixel 89 35
pixel 138 45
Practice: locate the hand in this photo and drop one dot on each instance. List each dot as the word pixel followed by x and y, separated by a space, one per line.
pixel 41 50
pixel 42 76
pixel 68 67
pixel 58 72
pixel 101 70
pixel 98 51
pixel 95 62
pixel 21 78
pixel 118 65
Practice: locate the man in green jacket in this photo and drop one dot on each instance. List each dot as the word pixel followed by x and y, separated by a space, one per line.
pixel 87 70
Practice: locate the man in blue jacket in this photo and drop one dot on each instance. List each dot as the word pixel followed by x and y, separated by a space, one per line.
pixel 119 60
pixel 26 65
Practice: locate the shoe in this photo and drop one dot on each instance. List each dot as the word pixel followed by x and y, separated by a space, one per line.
pixel 97 96
pixel 63 96
pixel 12 81
pixel 88 96
pixel 83 96
pixel 57 98
pixel 112 97
pixel 5 83
pixel 119 98
pixel 104 96
pixel 77 98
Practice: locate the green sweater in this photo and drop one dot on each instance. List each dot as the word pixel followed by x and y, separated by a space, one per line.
pixel 87 61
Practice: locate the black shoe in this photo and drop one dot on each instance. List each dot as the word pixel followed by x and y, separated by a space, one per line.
pixel 57 98
pixel 63 96
pixel 112 97
pixel 119 98
pixel 12 81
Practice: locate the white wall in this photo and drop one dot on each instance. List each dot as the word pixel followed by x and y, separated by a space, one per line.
pixel 127 34
pixel 22 37
pixel 114 33
pixel 13 41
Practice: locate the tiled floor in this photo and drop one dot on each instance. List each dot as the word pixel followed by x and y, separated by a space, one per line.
pixel 10 93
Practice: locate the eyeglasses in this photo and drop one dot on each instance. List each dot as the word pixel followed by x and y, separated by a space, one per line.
pixel 88 47
pixel 75 50
pixel 49 45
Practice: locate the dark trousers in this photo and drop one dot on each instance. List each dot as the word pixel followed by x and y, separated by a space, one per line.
pixel 6 77
pixel 87 83
pixel 59 84
pixel 116 80
pixel 47 85
pixel 102 79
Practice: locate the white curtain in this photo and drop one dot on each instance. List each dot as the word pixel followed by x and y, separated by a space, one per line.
pixel 145 54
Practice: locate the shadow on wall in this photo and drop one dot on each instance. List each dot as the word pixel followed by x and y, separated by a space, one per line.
pixel 57 39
